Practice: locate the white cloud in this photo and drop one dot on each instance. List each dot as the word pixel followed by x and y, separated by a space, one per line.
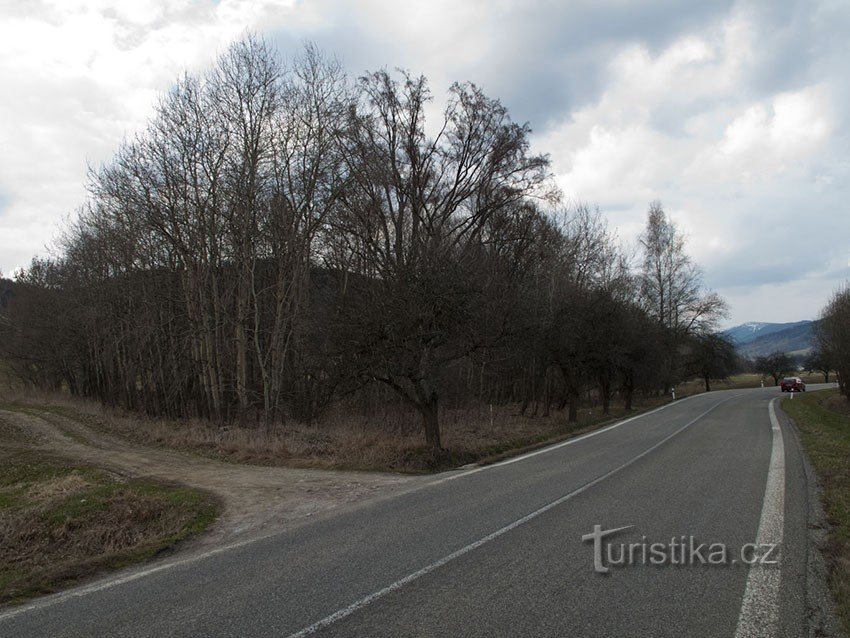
pixel 736 118
pixel 682 125
pixel 771 138
pixel 616 149
pixel 79 76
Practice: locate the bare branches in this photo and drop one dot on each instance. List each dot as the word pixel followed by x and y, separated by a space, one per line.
pixel 280 236
pixel 671 284
pixel 833 334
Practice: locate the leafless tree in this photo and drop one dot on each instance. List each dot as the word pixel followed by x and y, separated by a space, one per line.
pixel 419 222
pixel 833 335
pixel 279 237
pixel 775 365
pixel 671 287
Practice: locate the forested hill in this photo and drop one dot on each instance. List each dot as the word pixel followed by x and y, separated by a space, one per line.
pixel 760 339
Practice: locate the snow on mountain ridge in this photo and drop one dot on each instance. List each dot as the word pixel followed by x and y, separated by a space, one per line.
pixel 748 332
pixel 753 325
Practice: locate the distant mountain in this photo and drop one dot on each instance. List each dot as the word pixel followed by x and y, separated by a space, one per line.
pixel 758 339
pixel 749 332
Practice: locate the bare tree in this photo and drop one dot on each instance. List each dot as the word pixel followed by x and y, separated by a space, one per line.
pixel 712 356
pixel 279 238
pixel 671 286
pixel 775 365
pixel 833 335
pixel 417 222
pixel 819 360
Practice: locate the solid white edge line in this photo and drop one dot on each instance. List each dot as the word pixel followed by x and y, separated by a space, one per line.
pixel 85 590
pixel 557 446
pixel 370 598
pixel 760 606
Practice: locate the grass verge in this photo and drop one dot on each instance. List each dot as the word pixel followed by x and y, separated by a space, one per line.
pixel 343 439
pixel 346 437
pixel 825 432
pixel 61 522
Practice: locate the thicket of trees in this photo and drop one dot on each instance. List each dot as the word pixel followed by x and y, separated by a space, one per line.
pixel 819 361
pixel 775 365
pixel 281 237
pixel 833 337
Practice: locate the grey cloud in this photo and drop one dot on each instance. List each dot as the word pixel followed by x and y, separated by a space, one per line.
pixel 548 56
pixel 545 59
pixel 785 244
pixel 799 42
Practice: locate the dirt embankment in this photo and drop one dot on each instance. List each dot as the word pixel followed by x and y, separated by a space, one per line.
pixel 255 499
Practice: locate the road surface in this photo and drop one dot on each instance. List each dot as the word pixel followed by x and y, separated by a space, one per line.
pixel 498 551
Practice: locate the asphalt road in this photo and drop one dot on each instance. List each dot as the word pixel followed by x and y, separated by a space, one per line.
pixel 498 551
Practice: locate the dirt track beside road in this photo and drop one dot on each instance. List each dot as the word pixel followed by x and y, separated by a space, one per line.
pixel 256 499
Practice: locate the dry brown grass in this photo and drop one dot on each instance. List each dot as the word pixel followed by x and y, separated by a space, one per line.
pixel 60 522
pixel 344 438
pixel 58 488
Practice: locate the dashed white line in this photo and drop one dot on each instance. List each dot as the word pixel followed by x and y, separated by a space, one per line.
pixel 370 598
pixel 556 446
pixel 80 592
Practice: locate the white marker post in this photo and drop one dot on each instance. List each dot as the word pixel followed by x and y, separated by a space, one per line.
pixel 673 392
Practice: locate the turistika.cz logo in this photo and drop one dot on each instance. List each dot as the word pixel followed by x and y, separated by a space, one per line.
pixel 678 551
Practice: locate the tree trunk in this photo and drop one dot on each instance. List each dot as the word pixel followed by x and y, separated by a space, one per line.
pixel 605 395
pixel 241 341
pixel 707 383
pixel 431 421
pixel 573 416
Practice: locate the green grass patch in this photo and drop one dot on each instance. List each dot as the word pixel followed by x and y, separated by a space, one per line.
pixel 825 432
pixel 61 522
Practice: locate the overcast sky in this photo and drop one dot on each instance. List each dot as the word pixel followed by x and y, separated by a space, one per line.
pixel 733 114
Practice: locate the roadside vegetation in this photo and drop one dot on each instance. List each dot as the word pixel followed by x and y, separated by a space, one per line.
pixel 823 419
pixel 62 521
pixel 341 439
pixel 744 380
pixel 284 245
pixel 348 437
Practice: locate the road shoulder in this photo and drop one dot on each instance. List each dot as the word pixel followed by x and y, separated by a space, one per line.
pixel 819 612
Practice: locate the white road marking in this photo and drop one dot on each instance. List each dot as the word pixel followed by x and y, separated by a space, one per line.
pixel 85 590
pixel 557 446
pixel 760 606
pixel 369 599
pixel 79 592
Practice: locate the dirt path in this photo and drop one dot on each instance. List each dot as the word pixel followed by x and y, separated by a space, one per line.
pixel 256 499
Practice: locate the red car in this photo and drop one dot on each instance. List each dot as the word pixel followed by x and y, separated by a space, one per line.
pixel 792 384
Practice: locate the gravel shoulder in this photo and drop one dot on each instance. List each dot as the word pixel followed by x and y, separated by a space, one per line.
pixel 256 500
